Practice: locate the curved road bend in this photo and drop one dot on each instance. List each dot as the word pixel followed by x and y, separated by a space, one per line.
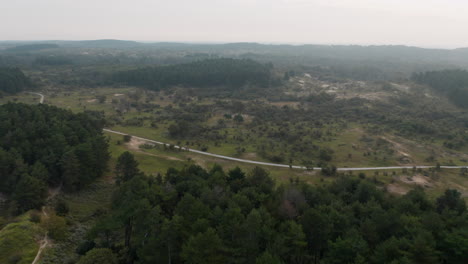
pixel 267 163
pixel 41 95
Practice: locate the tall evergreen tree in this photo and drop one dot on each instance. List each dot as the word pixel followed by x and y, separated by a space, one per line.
pixel 30 193
pixel 126 168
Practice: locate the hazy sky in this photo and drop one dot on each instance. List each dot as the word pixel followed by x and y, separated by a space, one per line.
pixel 429 23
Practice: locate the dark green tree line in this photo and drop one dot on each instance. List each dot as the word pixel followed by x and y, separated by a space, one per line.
pixel 199 216
pixel 232 73
pixel 44 146
pixel 13 80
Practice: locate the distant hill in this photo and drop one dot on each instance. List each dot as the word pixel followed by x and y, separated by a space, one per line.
pixel 394 53
pixel 31 47
pixel 103 43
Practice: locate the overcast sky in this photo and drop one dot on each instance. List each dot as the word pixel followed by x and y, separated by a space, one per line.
pixel 427 23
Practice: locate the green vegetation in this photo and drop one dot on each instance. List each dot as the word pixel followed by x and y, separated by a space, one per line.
pixel 99 255
pixel 205 73
pixel 198 216
pixel 43 145
pixel 452 83
pixel 84 207
pixel 53 61
pixel 18 241
pixel 12 80
pixel 328 106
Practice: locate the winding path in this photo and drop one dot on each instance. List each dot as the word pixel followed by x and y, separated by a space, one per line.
pixel 41 95
pixel 267 163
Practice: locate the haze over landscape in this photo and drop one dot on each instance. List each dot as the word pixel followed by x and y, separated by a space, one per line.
pixel 424 23
pixel 233 132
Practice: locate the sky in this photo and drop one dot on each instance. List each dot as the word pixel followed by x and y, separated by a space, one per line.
pixel 424 23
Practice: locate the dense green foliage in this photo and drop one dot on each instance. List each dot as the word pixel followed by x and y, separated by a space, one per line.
pixel 99 256
pixel 53 60
pixel 12 80
pixel 198 216
pixel 452 83
pixel 42 145
pixel 18 242
pixel 205 73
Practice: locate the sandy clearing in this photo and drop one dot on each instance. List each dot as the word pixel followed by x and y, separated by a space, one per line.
pixel 135 143
pixel 417 179
pixel 397 189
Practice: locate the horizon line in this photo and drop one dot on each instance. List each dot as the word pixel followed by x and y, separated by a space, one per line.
pixel 445 47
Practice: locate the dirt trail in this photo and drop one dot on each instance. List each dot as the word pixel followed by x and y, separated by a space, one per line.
pixel 41 100
pixel 398 147
pixel 44 242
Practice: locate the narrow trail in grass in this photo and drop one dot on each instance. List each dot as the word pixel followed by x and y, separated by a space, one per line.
pixel 44 242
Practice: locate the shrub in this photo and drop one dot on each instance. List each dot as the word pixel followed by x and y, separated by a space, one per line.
pixel 61 208
pixel 35 217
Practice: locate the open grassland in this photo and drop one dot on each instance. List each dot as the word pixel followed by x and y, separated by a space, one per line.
pixel 26 98
pixel 19 241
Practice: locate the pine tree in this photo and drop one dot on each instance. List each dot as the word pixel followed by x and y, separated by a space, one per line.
pixel 126 168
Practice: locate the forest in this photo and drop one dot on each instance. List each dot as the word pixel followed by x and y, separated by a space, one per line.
pixel 13 80
pixel 231 73
pixel 451 83
pixel 42 146
pixel 197 216
pixel 52 60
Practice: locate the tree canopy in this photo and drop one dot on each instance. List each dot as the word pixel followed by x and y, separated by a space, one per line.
pixel 42 145
pixel 199 216
pixel 452 83
pixel 13 80
pixel 232 73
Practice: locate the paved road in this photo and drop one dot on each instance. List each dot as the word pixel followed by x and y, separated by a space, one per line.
pixel 267 163
pixel 280 165
pixel 41 95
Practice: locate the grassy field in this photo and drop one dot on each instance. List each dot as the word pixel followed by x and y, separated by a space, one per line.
pixel 19 241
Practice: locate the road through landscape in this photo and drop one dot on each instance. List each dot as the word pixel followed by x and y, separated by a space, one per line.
pixel 267 163
pixel 275 164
